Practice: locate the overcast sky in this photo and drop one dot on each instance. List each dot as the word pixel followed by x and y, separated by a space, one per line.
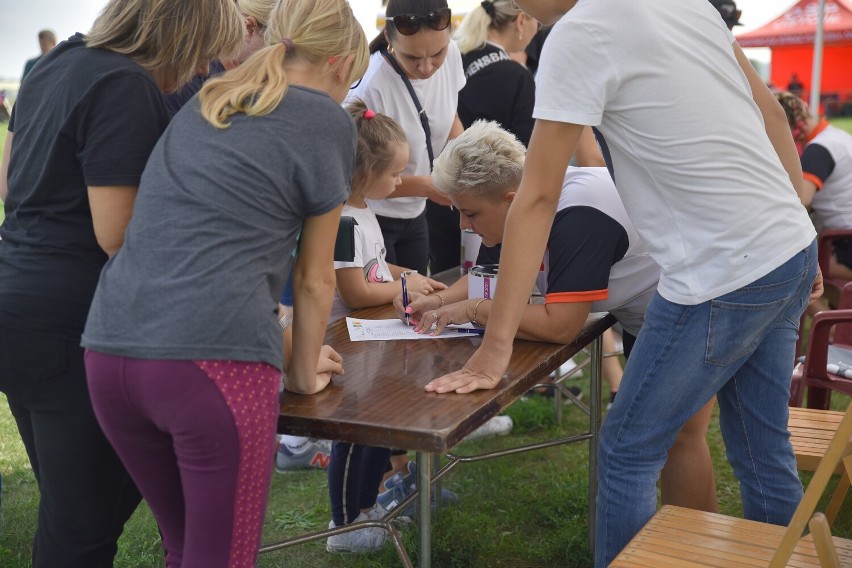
pixel 22 19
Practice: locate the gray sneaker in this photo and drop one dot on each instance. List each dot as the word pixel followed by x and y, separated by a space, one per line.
pixel 313 454
pixel 359 541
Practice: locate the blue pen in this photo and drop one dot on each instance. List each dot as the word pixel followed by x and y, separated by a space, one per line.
pixel 470 331
pixel 405 297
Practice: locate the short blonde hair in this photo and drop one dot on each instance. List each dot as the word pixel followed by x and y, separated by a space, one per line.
pixel 322 33
pixel 485 161
pixel 257 9
pixel 178 35
pixel 473 31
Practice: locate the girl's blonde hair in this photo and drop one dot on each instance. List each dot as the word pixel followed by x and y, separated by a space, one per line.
pixel 378 136
pixel 172 35
pixel 321 33
pixel 489 15
pixel 258 9
pixel 484 161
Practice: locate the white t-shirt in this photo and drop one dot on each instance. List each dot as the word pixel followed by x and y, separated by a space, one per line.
pixel 383 90
pixel 832 204
pixel 369 254
pixel 697 175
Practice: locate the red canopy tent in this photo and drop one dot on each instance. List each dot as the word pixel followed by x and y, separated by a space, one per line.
pixel 790 36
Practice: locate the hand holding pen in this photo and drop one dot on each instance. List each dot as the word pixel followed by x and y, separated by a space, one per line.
pixel 405 297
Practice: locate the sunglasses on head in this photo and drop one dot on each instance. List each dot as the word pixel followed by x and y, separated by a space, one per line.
pixel 410 24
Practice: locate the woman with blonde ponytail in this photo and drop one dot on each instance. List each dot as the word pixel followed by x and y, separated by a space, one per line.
pixel 86 120
pixel 184 316
pixel 498 88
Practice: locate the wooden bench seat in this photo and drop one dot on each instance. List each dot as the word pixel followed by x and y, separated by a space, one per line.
pixel 811 430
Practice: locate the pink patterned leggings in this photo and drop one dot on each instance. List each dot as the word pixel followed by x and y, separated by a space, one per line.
pixel 198 439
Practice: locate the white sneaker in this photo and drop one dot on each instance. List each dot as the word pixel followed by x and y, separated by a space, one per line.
pixel 362 540
pixel 564 369
pixel 496 426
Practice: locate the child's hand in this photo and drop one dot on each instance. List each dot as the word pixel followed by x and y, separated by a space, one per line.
pixel 422 284
pixel 330 363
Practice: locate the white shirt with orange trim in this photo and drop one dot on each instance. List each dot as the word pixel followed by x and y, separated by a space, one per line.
pixel 832 203
pixel 594 253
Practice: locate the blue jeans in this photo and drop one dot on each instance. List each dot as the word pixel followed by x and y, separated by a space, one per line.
pixel 740 347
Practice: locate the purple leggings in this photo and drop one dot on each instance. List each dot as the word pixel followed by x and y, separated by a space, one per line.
pixel 198 439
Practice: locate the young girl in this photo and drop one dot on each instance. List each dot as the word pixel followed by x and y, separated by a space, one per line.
pixel 355 471
pixel 184 379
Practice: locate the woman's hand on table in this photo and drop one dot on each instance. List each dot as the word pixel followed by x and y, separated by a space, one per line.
pixel 457 313
pixel 417 304
pixel 483 370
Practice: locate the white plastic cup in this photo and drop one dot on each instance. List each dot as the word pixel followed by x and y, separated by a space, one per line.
pixel 482 281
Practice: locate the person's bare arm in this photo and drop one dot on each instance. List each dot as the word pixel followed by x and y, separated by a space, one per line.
pixel 420 186
pixel 588 153
pixel 313 293
pixel 111 207
pixel 558 322
pixel 4 166
pixel 775 120
pixel 809 189
pixel 527 227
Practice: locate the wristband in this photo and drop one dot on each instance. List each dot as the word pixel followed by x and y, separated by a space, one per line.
pixel 440 297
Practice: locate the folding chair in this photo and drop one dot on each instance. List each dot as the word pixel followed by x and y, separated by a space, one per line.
pixel 683 538
pixel 832 283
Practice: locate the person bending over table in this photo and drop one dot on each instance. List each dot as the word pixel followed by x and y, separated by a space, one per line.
pixel 185 382
pixel 703 160
pixel 595 261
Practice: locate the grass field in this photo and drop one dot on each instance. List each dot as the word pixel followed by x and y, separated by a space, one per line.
pixel 523 511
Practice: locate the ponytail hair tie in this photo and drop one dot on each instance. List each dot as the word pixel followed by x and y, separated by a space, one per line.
pixel 368 114
pixel 288 43
pixel 488 6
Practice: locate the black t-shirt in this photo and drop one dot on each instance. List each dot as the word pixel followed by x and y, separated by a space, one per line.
pixel 583 245
pixel 84 117
pixel 498 89
pixel 817 161
pixel 175 101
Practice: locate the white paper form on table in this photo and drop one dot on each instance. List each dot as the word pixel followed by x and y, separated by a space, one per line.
pixel 391 329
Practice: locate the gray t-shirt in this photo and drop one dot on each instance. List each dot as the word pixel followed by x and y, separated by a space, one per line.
pixel 214 231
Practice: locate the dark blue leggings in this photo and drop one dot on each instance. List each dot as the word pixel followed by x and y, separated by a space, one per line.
pixel 354 474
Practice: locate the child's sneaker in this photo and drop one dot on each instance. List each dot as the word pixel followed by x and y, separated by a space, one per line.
pixel 314 453
pixel 564 369
pixel 578 394
pixel 361 540
pixel 497 426
pixel 398 488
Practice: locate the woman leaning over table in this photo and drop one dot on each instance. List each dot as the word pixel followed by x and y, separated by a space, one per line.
pixel 184 347
pixel 86 120
pixel 420 229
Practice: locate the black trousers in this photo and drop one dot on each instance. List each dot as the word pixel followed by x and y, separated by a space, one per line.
pixel 444 237
pixel 86 494
pixel 406 241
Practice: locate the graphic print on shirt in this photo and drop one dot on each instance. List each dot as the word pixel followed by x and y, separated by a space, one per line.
pixel 372 270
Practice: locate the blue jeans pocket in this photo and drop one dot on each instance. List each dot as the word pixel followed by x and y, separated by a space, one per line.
pixel 736 329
